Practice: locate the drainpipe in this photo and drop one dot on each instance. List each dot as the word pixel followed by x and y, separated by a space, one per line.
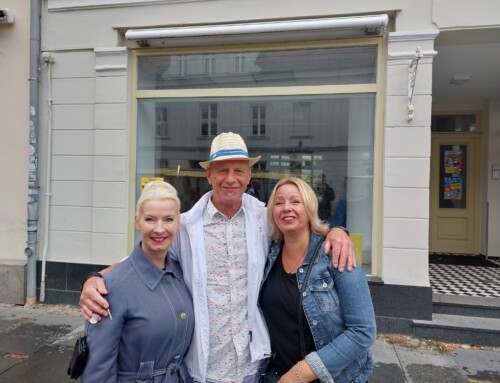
pixel 31 250
pixel 48 58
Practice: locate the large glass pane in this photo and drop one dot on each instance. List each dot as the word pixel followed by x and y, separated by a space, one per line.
pixel 316 66
pixel 327 140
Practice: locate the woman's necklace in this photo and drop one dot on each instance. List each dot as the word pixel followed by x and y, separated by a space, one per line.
pixel 291 270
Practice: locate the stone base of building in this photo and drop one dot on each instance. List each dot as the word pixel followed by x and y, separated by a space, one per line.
pixel 13 282
pixel 63 281
pixel 400 301
pixel 395 305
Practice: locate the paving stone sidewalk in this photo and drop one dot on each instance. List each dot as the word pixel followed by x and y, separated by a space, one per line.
pixel 36 345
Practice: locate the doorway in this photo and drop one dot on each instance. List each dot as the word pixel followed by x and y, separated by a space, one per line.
pixel 454 193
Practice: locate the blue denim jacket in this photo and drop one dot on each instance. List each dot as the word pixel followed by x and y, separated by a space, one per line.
pixel 339 310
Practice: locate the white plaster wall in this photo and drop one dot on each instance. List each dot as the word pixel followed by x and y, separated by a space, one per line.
pixel 89 173
pixel 86 26
pixel 407 162
pixel 14 128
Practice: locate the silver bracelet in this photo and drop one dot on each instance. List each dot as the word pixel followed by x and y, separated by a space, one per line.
pixel 296 369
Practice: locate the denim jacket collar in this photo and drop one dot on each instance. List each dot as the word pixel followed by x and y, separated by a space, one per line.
pixel 313 241
pixel 149 273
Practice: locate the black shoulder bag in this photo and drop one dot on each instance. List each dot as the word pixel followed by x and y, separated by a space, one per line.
pixel 79 359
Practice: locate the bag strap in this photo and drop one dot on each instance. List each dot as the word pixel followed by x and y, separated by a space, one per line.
pixel 301 297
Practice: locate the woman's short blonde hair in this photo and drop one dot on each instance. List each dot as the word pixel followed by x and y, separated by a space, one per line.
pixel 157 190
pixel 310 203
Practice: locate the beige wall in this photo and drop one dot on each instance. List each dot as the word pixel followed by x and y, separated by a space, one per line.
pixel 14 120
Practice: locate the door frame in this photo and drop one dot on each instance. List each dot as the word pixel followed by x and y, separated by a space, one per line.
pixel 475 139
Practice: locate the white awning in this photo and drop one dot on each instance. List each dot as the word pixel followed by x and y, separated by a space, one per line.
pixel 269 31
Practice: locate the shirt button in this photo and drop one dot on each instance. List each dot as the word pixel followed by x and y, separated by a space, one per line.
pixel 183 316
pixel 301 270
pixel 315 322
pixel 324 284
pixel 321 342
pixel 304 293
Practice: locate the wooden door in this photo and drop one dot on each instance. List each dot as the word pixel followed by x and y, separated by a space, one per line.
pixel 454 194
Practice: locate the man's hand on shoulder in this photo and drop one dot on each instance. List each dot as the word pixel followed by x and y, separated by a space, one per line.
pixel 91 299
pixel 339 243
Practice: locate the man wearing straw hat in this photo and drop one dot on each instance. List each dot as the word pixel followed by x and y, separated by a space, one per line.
pixel 222 246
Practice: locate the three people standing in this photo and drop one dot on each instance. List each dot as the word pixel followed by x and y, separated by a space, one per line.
pixel 222 246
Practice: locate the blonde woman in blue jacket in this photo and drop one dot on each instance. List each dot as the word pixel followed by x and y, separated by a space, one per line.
pixel 336 313
pixel 149 331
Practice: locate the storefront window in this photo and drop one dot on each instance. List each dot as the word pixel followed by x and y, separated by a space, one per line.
pixel 298 67
pixel 325 139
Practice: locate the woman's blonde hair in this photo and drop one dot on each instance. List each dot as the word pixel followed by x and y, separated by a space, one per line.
pixel 310 203
pixel 158 190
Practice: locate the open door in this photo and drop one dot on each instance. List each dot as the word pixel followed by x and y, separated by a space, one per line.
pixel 454 194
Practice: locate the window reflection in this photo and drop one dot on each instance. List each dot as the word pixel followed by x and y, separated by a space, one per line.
pixel 327 140
pixel 297 67
pixel 322 139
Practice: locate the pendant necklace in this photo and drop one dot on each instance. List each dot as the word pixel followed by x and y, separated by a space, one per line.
pixel 297 264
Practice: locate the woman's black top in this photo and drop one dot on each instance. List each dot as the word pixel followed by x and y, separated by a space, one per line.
pixel 280 304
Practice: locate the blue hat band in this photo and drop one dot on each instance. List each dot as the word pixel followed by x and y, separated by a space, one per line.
pixel 228 152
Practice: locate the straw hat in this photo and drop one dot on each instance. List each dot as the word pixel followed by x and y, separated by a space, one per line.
pixel 229 146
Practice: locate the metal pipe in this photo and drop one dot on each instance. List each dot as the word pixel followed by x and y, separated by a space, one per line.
pixel 31 251
pixel 49 59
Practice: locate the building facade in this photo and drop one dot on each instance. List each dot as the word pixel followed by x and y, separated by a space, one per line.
pixel 14 147
pixel 381 103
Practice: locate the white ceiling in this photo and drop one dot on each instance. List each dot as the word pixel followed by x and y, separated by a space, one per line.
pixel 467 52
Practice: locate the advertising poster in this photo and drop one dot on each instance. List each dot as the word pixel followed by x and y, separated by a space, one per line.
pixel 452 181
pixel 452 188
pixel 453 162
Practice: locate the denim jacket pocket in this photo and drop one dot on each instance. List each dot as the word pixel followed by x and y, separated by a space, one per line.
pixel 321 287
